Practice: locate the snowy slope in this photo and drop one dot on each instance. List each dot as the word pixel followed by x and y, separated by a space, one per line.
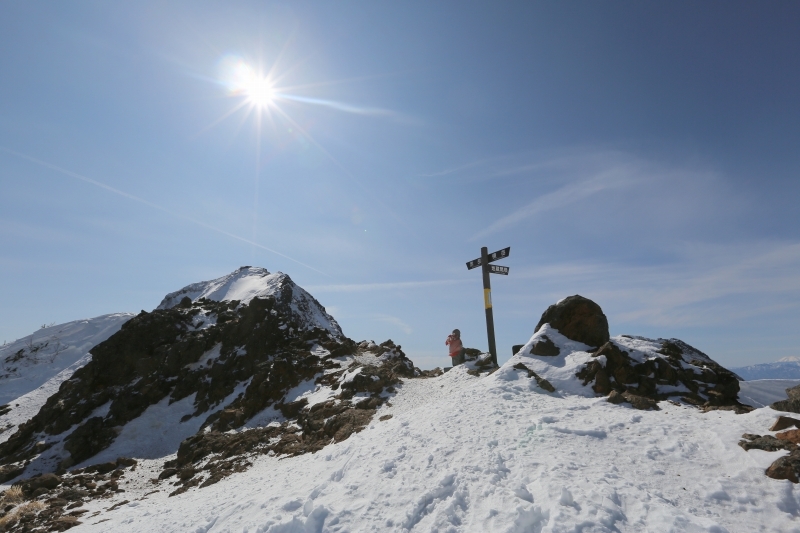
pixel 496 453
pixel 462 452
pixel 247 283
pixel 32 368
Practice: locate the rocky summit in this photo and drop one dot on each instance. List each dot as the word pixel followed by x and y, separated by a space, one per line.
pixel 251 362
pixel 572 341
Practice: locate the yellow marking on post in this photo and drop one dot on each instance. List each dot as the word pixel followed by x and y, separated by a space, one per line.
pixel 487 298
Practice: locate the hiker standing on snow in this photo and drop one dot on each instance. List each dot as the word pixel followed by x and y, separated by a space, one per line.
pixel 456 348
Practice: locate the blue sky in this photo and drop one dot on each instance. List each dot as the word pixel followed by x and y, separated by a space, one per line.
pixel 643 155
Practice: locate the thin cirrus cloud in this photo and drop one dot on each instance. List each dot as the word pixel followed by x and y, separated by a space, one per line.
pixel 394 321
pixel 399 285
pixel 706 285
pixel 339 106
pixel 152 205
pixel 617 177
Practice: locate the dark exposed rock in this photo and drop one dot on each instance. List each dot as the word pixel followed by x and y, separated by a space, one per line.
pixel 544 346
pixel 213 455
pixel 792 403
pixel 676 370
pixel 637 402
pixel 88 439
pixel 46 481
pixel 543 383
pixel 786 467
pixel 126 462
pixel 791 406
pixel 784 422
pixel 579 319
pixel 10 471
pixel 767 443
pixel 167 473
pixel 155 356
pixel 73 494
pixel 102 468
pixel 62 499
pixel 793 392
pixel 64 523
pixel 615 397
pixel 738 409
pixel 640 402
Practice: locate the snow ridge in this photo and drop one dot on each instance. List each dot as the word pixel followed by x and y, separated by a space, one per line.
pixel 247 283
pixel 34 367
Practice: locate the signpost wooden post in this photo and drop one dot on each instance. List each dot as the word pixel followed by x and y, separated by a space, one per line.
pixel 483 262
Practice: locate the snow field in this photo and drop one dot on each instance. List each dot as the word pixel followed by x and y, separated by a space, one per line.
pixel 33 368
pixel 495 453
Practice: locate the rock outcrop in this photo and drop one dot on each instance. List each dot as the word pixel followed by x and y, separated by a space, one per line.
pixel 792 403
pixel 227 363
pixel 573 335
pixel 673 369
pixel 577 318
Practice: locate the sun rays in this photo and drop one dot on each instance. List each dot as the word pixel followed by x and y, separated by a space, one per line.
pixel 258 92
pixel 244 81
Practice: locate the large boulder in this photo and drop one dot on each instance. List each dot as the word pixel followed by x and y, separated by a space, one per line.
pixel 792 404
pixel 579 319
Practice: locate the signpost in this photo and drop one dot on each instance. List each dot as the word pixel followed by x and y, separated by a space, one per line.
pixel 483 262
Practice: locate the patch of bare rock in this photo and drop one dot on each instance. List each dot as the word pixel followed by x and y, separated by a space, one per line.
pixel 787 466
pixel 204 349
pixel 675 370
pixel 51 502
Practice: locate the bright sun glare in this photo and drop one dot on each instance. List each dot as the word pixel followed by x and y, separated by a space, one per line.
pixel 243 80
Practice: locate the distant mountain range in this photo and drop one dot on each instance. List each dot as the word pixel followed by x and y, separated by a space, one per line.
pixel 785 368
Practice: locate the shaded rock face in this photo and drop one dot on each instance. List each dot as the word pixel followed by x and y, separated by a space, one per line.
pixel 212 454
pixel 785 467
pixel 638 371
pixel 784 422
pixel 545 346
pixel 205 350
pixel 674 370
pixel 543 383
pixel 579 319
pixel 792 403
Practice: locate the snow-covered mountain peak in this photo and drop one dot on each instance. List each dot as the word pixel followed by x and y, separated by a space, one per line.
pixel 246 283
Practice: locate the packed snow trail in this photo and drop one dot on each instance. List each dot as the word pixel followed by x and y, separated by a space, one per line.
pixel 496 453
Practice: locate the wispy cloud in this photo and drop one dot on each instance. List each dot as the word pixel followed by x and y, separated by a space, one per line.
pixel 150 204
pixel 391 286
pixel 613 178
pixel 706 285
pixel 339 106
pixel 394 321
pixel 456 169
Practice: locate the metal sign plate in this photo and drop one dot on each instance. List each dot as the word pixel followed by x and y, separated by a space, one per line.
pixel 475 263
pixel 499 254
pixel 497 269
pixel 494 256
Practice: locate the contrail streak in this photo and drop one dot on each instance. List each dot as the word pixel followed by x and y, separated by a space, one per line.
pixel 339 106
pixel 154 206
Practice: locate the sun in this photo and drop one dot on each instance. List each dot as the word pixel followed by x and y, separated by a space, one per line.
pixel 245 81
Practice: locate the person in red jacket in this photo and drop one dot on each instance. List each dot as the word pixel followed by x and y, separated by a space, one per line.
pixel 456 348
